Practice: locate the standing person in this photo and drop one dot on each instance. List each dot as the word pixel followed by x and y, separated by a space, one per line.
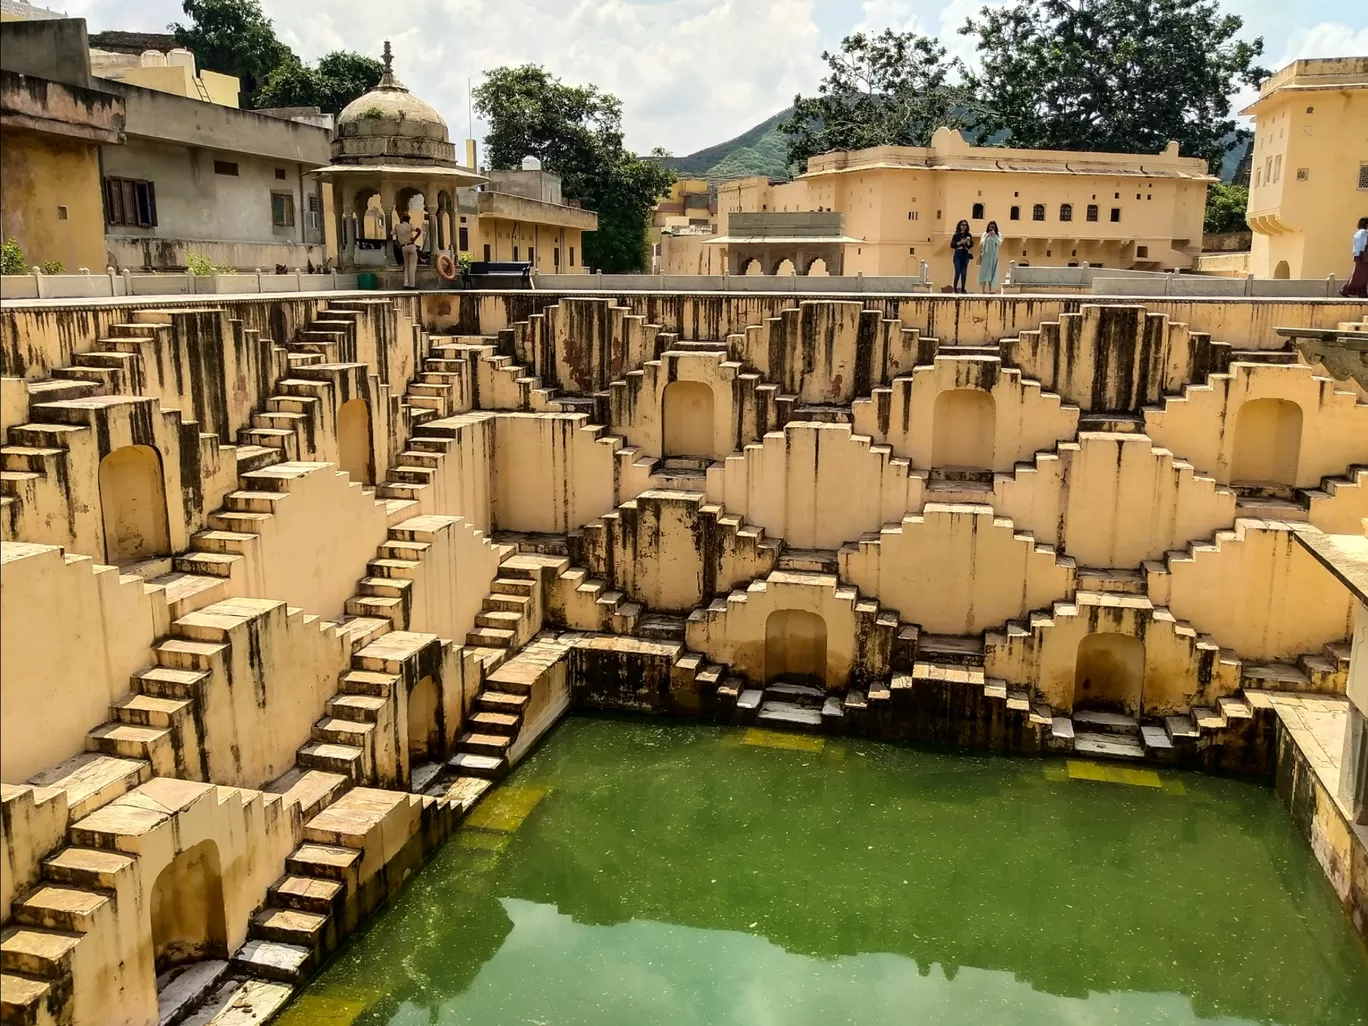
pixel 407 236
pixel 1357 285
pixel 988 258
pixel 961 252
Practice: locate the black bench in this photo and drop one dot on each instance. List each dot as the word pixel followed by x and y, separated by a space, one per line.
pixel 521 270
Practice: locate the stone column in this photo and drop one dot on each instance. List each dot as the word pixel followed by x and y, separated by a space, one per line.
pixel 388 197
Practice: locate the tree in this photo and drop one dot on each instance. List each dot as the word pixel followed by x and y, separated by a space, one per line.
pixel 1225 208
pixel 576 132
pixel 1113 75
pixel 331 84
pixel 890 89
pixel 233 37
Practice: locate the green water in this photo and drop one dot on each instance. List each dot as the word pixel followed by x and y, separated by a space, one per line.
pixel 644 873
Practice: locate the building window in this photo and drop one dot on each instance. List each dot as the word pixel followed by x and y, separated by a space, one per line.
pixel 282 210
pixel 130 201
pixel 486 252
pixel 226 167
pixel 280 174
pixel 62 213
pixel 1066 211
pixel 572 256
pixel 1116 195
pixel 1092 211
pixel 1038 212
pixel 1277 168
pixel 1303 173
pixel 515 252
pixel 463 238
pixel 977 212
pixel 1258 177
pixel 1141 252
pixel 313 216
pixel 531 255
pixel 555 257
pixel 1014 214
pixel 1363 176
pixel 1116 214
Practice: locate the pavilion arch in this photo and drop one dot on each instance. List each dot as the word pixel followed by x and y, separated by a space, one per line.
pixel 753 266
pixel 189 923
pixel 354 441
pixel 686 413
pixel 133 504
pixel 816 268
pixel 424 722
pixel 1109 673
pixel 785 268
pixel 1282 270
pixel 1267 442
pixel 795 648
pixel 963 425
pixel 372 221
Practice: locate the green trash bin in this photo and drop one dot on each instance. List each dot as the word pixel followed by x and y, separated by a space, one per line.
pixel 367 280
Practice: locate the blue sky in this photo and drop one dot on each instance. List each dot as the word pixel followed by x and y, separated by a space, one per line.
pixel 690 72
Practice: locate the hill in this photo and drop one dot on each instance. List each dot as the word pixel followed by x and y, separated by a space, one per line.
pixel 758 151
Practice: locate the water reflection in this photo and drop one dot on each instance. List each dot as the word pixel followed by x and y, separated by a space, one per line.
pixel 634 873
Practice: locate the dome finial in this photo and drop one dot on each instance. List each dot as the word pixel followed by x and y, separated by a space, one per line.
pixel 387 79
pixel 388 58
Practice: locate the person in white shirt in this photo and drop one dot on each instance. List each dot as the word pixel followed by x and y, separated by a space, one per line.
pixel 1357 285
pixel 407 235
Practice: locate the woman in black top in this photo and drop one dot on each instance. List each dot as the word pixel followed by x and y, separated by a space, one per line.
pixel 961 251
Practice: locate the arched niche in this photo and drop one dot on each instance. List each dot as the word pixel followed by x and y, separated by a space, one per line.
pixel 1282 270
pixel 188 919
pixel 354 440
pixel 753 266
pixel 133 505
pixel 686 413
pixel 1267 442
pixel 785 268
pixel 1109 673
pixel 424 728
pixel 795 648
pixel 817 268
pixel 962 430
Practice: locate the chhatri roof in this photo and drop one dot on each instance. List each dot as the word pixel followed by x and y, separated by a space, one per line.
pixel 389 131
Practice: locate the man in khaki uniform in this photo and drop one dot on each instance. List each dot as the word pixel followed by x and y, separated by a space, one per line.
pixel 407 236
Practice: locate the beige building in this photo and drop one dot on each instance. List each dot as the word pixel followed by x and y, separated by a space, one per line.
pixel 1053 208
pixel 172 71
pixel 1309 182
pixel 522 216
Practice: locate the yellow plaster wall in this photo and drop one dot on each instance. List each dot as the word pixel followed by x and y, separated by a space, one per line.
pixel 73 632
pixel 41 173
pixel 933 568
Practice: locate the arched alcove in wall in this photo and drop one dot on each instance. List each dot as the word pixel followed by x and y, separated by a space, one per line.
pixel 133 505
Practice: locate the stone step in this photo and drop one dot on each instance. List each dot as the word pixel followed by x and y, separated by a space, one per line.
pixel 367 682
pixel 326 861
pixel 500 619
pixel 37 952
pixel 485 744
pixel 1156 739
pixel 360 708
pixel 513 585
pixel 501 701
pixel 336 731
pixel 150 711
pixel 1098 722
pixel 486 722
pixel 306 893
pixel 129 741
pixel 489 637
pixel 788 714
pixel 181 988
pixel 797 694
pixel 1108 746
pixel 1181 728
pixel 56 907
pixel 487 766
pixel 86 868
pixel 312 790
pixel 273 960
pixel 241 1002
pixel 26 999
pixel 92 780
pixel 946 648
pixel 290 926
pixel 332 758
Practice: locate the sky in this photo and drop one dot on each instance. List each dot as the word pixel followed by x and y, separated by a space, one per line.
pixel 690 73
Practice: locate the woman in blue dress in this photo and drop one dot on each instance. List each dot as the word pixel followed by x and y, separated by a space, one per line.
pixel 988 258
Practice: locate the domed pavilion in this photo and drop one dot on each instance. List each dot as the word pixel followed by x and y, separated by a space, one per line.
pixel 391 155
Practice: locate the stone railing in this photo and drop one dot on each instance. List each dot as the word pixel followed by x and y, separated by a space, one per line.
pixel 1111 281
pixel 125 283
pixel 809 284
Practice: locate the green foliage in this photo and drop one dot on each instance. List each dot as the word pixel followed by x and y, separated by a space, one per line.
pixel 1225 208
pixel 198 263
pixel 331 84
pixel 576 132
pixel 235 37
pixel 1111 75
pixel 890 89
pixel 761 150
pixel 12 257
pixel 53 267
